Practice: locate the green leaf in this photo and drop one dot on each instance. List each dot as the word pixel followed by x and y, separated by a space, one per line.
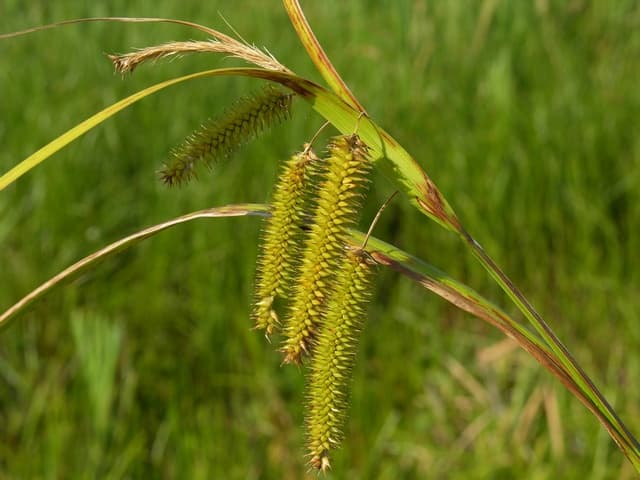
pixel 400 167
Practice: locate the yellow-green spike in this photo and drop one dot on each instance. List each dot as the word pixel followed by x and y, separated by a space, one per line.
pixel 281 239
pixel 337 206
pixel 334 356
pixel 219 137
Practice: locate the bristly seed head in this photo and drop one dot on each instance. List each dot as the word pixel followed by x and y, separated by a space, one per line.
pixel 337 207
pixel 334 355
pixel 282 234
pixel 218 138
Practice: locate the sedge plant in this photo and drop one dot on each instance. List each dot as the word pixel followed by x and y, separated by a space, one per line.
pixel 316 272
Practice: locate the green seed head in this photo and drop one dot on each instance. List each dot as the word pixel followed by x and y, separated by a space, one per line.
pixel 281 239
pixel 218 138
pixel 334 357
pixel 337 206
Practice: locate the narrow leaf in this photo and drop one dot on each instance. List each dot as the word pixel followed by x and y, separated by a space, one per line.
pixel 318 56
pixel 122 244
pixel 466 299
pixel 63 23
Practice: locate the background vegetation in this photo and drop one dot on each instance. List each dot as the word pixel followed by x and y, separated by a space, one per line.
pixel 525 114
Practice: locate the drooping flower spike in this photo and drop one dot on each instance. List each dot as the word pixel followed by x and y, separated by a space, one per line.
pixel 219 137
pixel 338 205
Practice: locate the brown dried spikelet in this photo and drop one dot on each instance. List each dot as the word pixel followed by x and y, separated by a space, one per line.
pixel 218 138
pixel 337 207
pixel 334 355
pixel 281 238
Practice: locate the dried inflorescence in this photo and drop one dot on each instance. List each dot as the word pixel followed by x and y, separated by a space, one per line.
pixel 219 137
pixel 127 63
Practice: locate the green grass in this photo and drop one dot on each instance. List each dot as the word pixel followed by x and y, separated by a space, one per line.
pixel 528 123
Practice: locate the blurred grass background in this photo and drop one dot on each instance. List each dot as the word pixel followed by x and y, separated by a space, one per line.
pixel 526 115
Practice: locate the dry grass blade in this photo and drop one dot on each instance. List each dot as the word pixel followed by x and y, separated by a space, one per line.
pixel 554 423
pixel 40 28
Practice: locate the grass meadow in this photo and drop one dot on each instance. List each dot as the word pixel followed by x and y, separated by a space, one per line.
pixel 526 114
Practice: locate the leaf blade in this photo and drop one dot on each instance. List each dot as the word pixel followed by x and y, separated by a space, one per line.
pixel 122 244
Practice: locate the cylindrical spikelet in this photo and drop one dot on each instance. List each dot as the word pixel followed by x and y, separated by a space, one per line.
pixel 336 210
pixel 281 238
pixel 334 356
pixel 219 137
